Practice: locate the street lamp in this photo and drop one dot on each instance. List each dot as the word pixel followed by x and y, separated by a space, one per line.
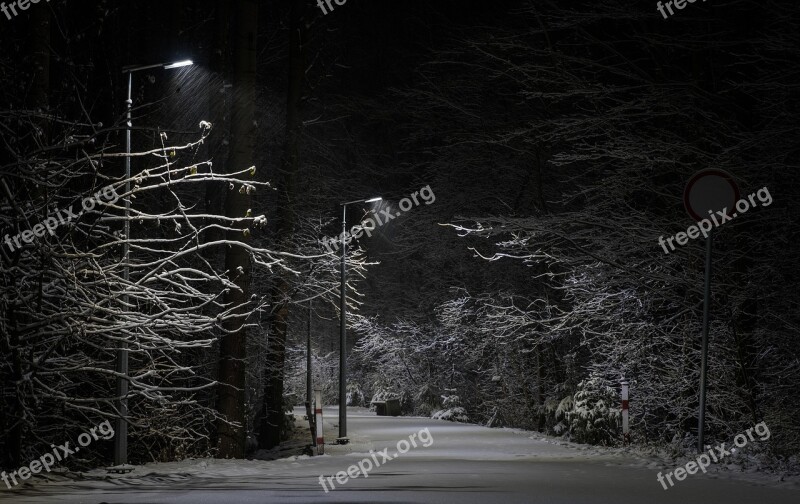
pixel 121 438
pixel 178 64
pixel 342 439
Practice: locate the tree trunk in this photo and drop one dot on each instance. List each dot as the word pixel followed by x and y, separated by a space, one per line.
pixel 218 109
pixel 13 421
pixel 232 367
pixel 270 432
pixel 39 45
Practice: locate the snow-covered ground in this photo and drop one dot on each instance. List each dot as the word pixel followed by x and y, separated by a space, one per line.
pixel 463 464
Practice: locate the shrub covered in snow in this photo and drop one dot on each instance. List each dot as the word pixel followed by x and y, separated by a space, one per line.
pixel 382 393
pixel 453 411
pixel 591 415
pixel 427 401
pixel 355 397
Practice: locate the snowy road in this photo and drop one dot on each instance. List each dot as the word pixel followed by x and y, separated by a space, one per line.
pixel 463 464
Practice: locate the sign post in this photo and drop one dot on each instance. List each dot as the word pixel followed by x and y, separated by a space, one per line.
pixel 707 192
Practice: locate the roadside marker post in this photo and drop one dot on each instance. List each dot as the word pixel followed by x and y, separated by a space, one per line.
pixel 318 421
pixel 626 435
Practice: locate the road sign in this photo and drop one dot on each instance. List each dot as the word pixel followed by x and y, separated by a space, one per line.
pixel 708 191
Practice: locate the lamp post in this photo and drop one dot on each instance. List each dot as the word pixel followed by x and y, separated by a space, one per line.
pixel 342 439
pixel 309 389
pixel 121 437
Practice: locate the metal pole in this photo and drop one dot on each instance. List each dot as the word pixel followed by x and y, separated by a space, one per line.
pixel 121 437
pixel 343 336
pixel 704 359
pixel 309 390
pixel 626 436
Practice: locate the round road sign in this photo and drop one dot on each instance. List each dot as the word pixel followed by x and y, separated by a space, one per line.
pixel 708 191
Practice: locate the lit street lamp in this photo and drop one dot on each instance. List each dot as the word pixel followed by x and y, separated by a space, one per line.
pixel 121 438
pixel 342 439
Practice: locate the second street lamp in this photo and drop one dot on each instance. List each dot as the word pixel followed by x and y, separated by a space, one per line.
pixel 121 437
pixel 342 439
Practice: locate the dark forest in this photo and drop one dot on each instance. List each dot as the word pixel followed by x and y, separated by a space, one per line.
pixel 170 260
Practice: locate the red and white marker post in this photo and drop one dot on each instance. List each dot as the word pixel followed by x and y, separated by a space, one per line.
pixel 318 418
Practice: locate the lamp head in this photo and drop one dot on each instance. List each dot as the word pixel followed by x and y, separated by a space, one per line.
pixel 178 64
